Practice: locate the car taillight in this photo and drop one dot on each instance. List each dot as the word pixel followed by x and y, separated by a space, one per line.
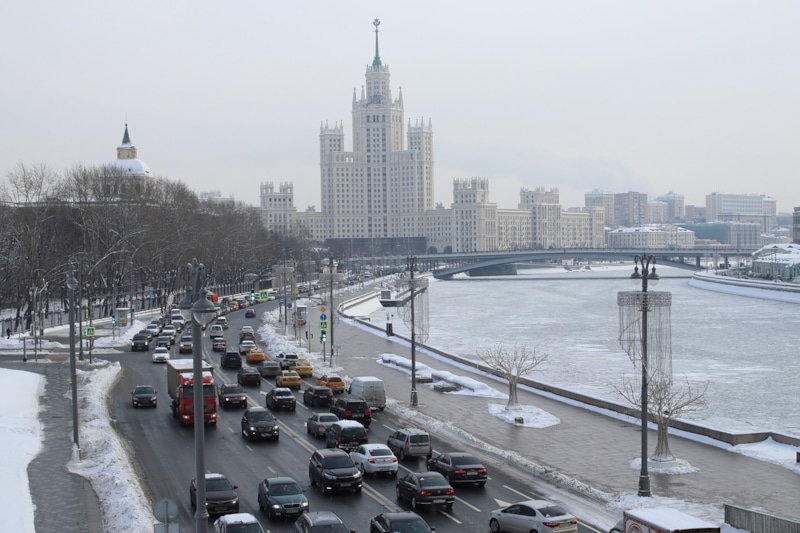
pixel 550 524
pixel 424 493
pixel 394 459
pixel 346 412
pixel 450 491
pixel 459 472
pixel 406 444
pixel 368 412
pixel 320 426
pixel 366 440
pixel 481 470
pixel 370 460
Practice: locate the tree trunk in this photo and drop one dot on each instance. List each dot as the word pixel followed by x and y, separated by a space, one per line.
pixel 513 402
pixel 662 447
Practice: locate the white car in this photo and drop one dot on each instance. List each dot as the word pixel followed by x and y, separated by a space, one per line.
pixel 374 459
pixel 532 515
pixel 161 354
pixel 237 522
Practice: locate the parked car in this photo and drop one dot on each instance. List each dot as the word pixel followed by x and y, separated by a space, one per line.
pixel 237 523
pixel 250 313
pixel 140 342
pixel 345 435
pixel 269 369
pixel 333 470
pixel 404 521
pixel 288 378
pixel 161 354
pixel 281 497
pixel 185 345
pixel 532 515
pixel 320 521
pixel 318 423
pixel 230 359
pixel 248 376
pixel 302 367
pixel 219 344
pixel 410 442
pixel 221 495
pixel 283 359
pixel 281 398
pixel 332 381
pixel 459 467
pixel 317 396
pixel 425 488
pixel 348 408
pixel 374 459
pixel 144 396
pixel 230 395
pixel 258 423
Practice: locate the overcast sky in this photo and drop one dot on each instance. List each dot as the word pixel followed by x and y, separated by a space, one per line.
pixel 684 96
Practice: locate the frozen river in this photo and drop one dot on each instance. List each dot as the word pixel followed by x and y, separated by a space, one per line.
pixel 745 348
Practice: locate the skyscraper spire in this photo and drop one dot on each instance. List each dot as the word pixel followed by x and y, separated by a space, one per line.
pixel 126 139
pixel 377 61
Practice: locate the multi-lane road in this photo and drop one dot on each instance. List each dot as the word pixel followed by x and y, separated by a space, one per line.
pixel 164 454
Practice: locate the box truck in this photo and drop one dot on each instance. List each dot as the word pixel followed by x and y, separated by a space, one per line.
pixel 180 386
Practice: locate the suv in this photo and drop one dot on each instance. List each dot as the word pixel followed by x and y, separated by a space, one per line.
pixel 281 398
pixel 140 342
pixel 346 435
pixel 283 359
pixel 410 442
pixel 231 359
pixel 333 470
pixel 186 344
pixel 316 395
pixel 352 409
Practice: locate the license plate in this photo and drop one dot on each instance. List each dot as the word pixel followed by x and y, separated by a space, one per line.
pixel 472 472
pixel 438 501
pixel 345 484
pixel 292 511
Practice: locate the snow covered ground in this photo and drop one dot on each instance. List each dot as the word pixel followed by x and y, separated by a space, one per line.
pixel 125 508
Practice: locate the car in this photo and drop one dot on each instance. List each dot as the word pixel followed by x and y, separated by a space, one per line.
pixel 247 335
pixel 185 345
pixel 410 442
pixel 222 321
pixel 237 523
pixel 532 515
pixel 317 396
pixel 288 378
pixel 248 376
pixel 375 459
pixel 349 408
pixel 283 359
pixel 165 339
pixel 148 333
pixel 218 344
pixel 170 329
pixel 178 321
pixel 258 423
pixel 144 395
pixel 140 342
pixel 269 368
pixel 425 488
pixel 403 521
pixel 256 355
pixel 320 522
pixel 230 395
pixel 250 313
pixel 161 354
pixel 318 423
pixel 345 435
pixel 281 398
pixel 459 467
pixel 281 497
pixel 302 367
pixel 332 469
pixel 221 495
pixel 332 381
pixel 154 328
pixel 230 359
pixel 245 347
pixel 216 331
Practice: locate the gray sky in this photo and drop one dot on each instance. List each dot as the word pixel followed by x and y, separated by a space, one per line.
pixel 684 96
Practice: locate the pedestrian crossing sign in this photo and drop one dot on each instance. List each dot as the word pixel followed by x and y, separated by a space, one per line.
pixel 88 331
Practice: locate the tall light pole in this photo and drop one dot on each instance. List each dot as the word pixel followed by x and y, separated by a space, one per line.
pixel 193 306
pixel 648 263
pixel 72 284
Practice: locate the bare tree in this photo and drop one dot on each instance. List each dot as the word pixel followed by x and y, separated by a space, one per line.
pixel 512 364
pixel 665 402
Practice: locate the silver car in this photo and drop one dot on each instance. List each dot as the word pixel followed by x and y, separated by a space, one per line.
pixel 318 423
pixel 374 459
pixel 532 515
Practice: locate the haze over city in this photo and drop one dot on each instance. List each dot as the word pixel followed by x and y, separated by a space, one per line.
pixel 686 97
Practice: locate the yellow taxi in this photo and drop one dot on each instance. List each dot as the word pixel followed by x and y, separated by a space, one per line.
pixel 288 378
pixel 302 367
pixel 256 355
pixel 333 382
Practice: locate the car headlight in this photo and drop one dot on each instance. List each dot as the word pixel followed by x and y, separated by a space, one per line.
pixel 252 428
pixel 304 504
pixel 358 475
pixel 326 475
pixel 276 506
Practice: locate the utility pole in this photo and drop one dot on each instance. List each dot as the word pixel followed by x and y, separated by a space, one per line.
pixel 332 311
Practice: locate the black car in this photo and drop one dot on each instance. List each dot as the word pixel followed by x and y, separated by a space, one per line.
pixel 321 521
pixel 144 395
pixel 404 521
pixel 231 394
pixel 221 495
pixel 317 396
pixel 258 423
pixel 459 467
pixel 332 469
pixel 141 342
pixel 281 398
pixel 250 313
pixel 248 376
pixel 281 497
pixel 231 359
pixel 425 488
pixel 164 340
pixel 347 408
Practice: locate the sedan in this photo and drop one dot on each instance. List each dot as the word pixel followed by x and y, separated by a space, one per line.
pixel 404 521
pixel 459 467
pixel 144 395
pixel 231 394
pixel 332 381
pixel 323 521
pixel 269 369
pixel 288 378
pixel 258 423
pixel 165 339
pixel 218 344
pixel 374 459
pixel 221 495
pixel 532 515
pixel 318 423
pixel 250 313
pixel 248 376
pixel 161 354
pixel 281 497
pixel 425 488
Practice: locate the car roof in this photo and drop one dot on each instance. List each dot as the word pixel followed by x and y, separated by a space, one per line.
pixel 414 431
pixel 280 480
pixel 238 518
pixel 375 446
pixel 332 451
pixel 319 518
pixel 350 423
pixel 402 515
pixel 255 408
pixel 283 389
pixel 248 370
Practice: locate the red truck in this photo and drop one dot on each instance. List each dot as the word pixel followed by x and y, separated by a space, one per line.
pixel 180 386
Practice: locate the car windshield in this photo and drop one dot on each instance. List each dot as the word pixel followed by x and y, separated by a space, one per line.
pixel 139 337
pixel 261 416
pixel 414 525
pixel 283 393
pixel 432 481
pixel 329 528
pixel 218 484
pixel 233 389
pixel 353 433
pixel 380 452
pixel 334 379
pixel 551 511
pixel 243 528
pixel 419 439
pixel 464 460
pixel 357 407
pixel 144 390
pixel 338 461
pixel 285 489
pixel 328 418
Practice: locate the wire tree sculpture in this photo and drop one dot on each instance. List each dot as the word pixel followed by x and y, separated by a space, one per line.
pixel 413 294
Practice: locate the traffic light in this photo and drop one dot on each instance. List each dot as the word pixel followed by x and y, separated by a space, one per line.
pixel 113 321
pixel 252 295
pixel 323 336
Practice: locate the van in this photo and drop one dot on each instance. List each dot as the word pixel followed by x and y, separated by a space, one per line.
pixel 662 520
pixel 346 435
pixel 410 442
pixel 370 389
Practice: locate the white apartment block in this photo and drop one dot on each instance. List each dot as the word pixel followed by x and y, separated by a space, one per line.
pixel 741 208
pixel 656 237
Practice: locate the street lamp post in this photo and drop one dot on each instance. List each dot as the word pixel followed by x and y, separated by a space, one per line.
pixel 72 283
pixel 193 306
pixel 648 263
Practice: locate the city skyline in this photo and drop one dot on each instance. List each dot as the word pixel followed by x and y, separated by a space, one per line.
pixel 621 97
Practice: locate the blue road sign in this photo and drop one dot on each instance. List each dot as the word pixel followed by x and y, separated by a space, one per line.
pixel 323 316
pixel 281 301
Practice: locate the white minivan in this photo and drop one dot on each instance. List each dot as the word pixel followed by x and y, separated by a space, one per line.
pixel 370 389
